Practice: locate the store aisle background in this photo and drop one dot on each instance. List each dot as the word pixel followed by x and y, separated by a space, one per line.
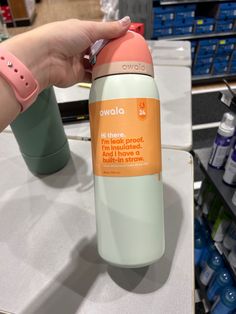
pixel 50 10
pixel 207 110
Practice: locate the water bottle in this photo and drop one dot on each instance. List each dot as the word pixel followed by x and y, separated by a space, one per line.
pixel 220 281
pixel 207 252
pixel 199 247
pixel 222 141
pixel 226 303
pixel 213 264
pixel 126 149
pixel 197 226
pixel 41 136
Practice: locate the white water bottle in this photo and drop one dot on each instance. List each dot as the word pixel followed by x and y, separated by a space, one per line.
pixel 125 129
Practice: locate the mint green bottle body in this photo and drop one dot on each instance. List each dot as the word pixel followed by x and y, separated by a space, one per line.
pixel 40 135
pixel 129 209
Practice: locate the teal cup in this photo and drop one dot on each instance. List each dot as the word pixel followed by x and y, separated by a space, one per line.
pixel 40 135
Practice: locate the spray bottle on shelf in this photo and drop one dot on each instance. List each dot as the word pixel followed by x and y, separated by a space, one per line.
pixel 229 176
pixel 222 141
pixel 126 149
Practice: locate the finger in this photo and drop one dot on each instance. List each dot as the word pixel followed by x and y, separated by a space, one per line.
pixel 109 30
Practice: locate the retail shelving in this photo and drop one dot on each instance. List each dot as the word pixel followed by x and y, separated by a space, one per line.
pixel 18 12
pixel 222 250
pixel 201 79
pixel 200 36
pixel 204 10
pixel 203 289
pixel 215 176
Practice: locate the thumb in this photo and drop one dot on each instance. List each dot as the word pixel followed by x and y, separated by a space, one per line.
pixel 109 30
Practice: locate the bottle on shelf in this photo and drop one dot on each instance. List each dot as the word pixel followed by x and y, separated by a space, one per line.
pixel 222 141
pixel 232 258
pixel 208 250
pixel 221 225
pixel 230 237
pixel 215 209
pixel 220 281
pixel 229 175
pixel 208 199
pixel 202 192
pixel 213 264
pixel 197 226
pixel 226 302
pixel 232 143
pixel 199 246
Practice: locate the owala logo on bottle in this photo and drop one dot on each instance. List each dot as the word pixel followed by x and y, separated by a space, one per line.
pixel 134 67
pixel 112 112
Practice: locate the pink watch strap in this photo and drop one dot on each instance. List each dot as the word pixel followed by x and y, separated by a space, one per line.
pixel 24 85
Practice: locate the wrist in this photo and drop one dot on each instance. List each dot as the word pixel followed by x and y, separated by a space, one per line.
pixel 32 51
pixel 13 108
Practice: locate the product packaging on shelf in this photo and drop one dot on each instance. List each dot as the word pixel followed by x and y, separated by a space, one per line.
pixel 222 141
pixel 202 192
pixel 209 197
pixel 213 264
pixel 221 225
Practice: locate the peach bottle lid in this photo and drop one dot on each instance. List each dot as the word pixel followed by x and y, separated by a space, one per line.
pixel 126 54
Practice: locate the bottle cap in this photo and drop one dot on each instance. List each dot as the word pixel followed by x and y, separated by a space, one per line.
pixel 215 261
pixel 227 126
pixel 199 241
pixel 223 277
pixel 126 54
pixel 228 297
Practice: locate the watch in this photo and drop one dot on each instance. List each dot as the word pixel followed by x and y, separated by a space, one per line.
pixel 19 77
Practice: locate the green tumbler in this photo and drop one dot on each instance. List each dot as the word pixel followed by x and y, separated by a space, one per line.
pixel 40 135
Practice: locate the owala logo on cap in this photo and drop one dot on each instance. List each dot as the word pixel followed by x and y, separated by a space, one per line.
pixel 134 67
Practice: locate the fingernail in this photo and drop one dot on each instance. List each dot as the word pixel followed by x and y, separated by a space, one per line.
pixel 125 21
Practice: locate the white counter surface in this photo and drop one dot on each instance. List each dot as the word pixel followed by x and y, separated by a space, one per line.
pixel 49 262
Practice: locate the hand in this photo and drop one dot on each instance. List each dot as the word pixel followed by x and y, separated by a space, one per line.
pixel 55 52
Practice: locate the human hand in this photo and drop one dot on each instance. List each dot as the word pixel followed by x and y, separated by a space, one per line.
pixel 55 52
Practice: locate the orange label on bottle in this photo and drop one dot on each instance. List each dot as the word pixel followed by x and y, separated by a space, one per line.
pixel 126 137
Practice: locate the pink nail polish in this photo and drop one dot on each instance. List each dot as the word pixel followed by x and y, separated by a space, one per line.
pixel 125 21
